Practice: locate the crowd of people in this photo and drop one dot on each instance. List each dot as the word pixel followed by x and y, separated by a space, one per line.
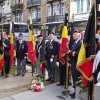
pixel 49 57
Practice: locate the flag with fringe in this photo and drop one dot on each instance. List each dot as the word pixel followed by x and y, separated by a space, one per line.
pixel 31 45
pixel 64 43
pixel 87 50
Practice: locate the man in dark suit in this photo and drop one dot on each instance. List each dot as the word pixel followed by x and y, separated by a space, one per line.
pixel 73 55
pixel 21 53
pixel 51 54
pixel 6 45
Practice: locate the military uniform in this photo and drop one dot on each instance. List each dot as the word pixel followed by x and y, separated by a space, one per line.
pixel 51 56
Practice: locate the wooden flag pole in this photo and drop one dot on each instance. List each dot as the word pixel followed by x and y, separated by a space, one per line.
pixel 66 16
pixel 32 33
pixel 66 75
pixel 91 84
pixel 3 52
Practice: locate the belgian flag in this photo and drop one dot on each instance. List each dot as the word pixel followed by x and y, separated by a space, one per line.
pixel 64 42
pixel 87 50
pixel 1 54
pixel 12 46
pixel 31 45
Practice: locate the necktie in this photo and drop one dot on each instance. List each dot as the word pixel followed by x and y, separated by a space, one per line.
pixel 74 45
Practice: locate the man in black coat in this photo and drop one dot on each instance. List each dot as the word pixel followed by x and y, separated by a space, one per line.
pixel 73 56
pixel 6 45
pixel 51 54
pixel 40 54
pixel 21 53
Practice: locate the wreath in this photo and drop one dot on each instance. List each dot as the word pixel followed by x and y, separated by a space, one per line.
pixel 37 84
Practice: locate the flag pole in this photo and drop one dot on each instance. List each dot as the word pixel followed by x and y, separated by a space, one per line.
pixel 95 8
pixel 12 32
pixel 2 45
pixel 32 34
pixel 91 83
pixel 66 56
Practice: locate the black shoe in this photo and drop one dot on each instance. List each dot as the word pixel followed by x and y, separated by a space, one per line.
pixel 60 84
pixel 72 95
pixel 23 74
pixel 52 81
pixel 69 83
pixel 64 92
pixel 6 75
pixel 18 74
pixel 48 79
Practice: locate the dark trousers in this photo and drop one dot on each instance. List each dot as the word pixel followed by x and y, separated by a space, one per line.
pixel 21 66
pixel 7 64
pixel 51 69
pixel 62 73
pixel 75 75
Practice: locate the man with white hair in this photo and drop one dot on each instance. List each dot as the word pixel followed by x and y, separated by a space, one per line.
pixel 73 55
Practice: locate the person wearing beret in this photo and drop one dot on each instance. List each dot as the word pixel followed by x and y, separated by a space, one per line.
pixel 51 51
pixel 21 53
pixel 73 55
pixel 40 54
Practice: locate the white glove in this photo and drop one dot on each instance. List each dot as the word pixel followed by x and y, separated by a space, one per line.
pixel 57 63
pixel 51 59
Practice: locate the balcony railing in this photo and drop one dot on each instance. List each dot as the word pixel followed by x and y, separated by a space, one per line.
pixel 36 21
pixel 49 0
pixel 52 0
pixel 17 7
pixel 57 18
pixel 33 3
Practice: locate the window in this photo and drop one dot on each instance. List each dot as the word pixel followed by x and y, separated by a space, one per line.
pixel 19 17
pixel 88 5
pixel 34 13
pixel 39 12
pixel 62 8
pixel 18 1
pixel 56 9
pixel 48 10
pixel 79 6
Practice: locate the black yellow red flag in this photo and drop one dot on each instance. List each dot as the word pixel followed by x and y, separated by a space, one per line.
pixel 87 50
pixel 31 45
pixel 64 42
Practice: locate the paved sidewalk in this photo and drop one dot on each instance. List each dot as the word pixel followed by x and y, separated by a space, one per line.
pixel 12 85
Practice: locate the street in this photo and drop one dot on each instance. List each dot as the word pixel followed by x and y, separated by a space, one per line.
pixel 51 92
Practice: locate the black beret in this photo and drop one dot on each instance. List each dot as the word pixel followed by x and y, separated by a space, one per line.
pixel 39 36
pixel 51 33
pixel 77 31
pixel 20 34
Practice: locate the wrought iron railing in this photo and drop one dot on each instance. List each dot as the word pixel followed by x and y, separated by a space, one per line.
pixel 57 18
pixel 17 6
pixel 31 3
pixel 36 21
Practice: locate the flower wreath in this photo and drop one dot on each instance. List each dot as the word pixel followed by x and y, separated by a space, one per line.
pixel 37 84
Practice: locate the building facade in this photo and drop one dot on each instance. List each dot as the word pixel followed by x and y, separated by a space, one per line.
pixel 19 11
pixel 78 12
pixel 34 10
pixel 14 10
pixel 6 11
pixel 49 13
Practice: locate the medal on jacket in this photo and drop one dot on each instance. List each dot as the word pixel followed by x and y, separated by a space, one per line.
pixel 51 47
pixel 22 46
